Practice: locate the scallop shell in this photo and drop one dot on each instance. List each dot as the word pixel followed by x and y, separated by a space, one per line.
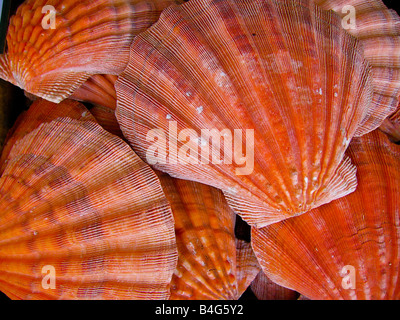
pixel 391 126
pixel 89 37
pixel 191 201
pixel 378 30
pixel 247 267
pixel 283 71
pixel 349 248
pixel 41 111
pixel 106 118
pixel 265 289
pixel 204 227
pixel 99 90
pixel 82 217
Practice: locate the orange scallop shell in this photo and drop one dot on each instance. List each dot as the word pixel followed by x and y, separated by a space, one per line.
pixel 192 203
pixel 89 37
pixel 349 248
pixel 204 227
pixel 285 69
pixel 378 30
pixel 72 199
pixel 391 126
pixel 247 267
pixel 41 111
pixel 99 90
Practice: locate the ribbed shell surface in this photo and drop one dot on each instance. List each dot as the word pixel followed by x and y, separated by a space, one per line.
pixel 77 205
pixel 349 248
pixel 41 111
pixel 285 71
pixel 87 37
pixel 98 89
pixel 378 30
pixel 204 227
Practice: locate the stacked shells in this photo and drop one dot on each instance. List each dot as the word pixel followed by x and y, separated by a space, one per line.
pixel 218 147
pixel 248 81
pixel 378 30
pixel 391 126
pixel 349 248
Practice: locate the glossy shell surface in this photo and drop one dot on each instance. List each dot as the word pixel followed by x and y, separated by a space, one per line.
pixel 73 214
pixel 349 248
pixel 281 86
pixel 54 47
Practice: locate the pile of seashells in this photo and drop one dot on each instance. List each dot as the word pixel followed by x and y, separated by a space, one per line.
pixel 196 150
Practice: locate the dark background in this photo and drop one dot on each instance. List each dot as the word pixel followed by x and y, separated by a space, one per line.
pixel 392 4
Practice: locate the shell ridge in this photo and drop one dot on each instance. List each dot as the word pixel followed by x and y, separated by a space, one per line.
pixel 79 243
pixel 89 37
pixel 265 239
pixel 5 71
pixel 342 183
pixel 377 29
pixel 360 230
pixel 175 67
pixel 205 239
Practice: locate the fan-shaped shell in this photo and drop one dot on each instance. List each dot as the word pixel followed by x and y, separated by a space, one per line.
pixel 204 227
pixel 378 30
pixel 106 118
pixel 41 111
pixel 349 248
pixel 77 200
pixel 285 71
pixel 89 37
pixel 192 203
pixel 247 267
pixel 99 90
pixel 391 126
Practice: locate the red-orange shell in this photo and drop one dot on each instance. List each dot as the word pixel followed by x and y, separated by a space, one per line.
pixel 349 248
pixel 89 37
pixel 391 126
pixel 265 289
pixel 77 199
pixel 204 227
pixel 98 90
pixel 41 111
pixel 285 69
pixel 378 30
